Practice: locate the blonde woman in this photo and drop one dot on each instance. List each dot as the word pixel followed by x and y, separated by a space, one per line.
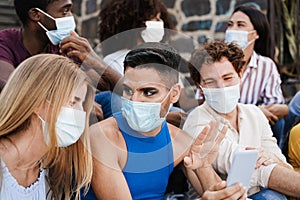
pixel 44 112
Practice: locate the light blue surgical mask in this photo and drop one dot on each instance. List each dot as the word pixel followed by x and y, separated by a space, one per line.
pixel 142 116
pixel 238 37
pixel 69 126
pixel 64 25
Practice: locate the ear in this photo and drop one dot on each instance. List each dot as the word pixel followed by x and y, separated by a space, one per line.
pixel 175 93
pixel 256 35
pixel 34 14
pixel 200 88
pixel 240 74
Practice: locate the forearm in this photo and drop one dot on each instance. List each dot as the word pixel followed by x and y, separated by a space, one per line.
pixel 103 76
pixel 285 180
pixel 207 177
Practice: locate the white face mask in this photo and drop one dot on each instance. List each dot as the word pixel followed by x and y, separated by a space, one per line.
pixel 238 37
pixel 223 100
pixel 154 31
pixel 64 25
pixel 69 126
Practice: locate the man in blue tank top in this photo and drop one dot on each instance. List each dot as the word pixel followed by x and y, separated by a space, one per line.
pixel 136 150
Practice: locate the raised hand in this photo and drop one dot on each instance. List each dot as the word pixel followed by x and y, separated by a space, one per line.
pixel 205 148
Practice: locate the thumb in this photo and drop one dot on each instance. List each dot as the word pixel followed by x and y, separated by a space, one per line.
pixel 218 186
pixel 250 148
pixel 187 161
pixel 73 33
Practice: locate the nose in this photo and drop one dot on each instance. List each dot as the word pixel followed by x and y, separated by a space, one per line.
pixel 134 97
pixel 220 84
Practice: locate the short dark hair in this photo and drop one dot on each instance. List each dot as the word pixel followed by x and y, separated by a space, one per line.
pixel 22 8
pixel 211 52
pixel 158 56
pixel 262 27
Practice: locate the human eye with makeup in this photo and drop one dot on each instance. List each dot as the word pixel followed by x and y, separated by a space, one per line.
pixel 149 92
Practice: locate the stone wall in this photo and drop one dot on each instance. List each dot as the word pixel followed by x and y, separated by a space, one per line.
pixel 199 19
pixel 196 20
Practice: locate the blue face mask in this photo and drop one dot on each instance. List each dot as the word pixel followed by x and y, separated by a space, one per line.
pixel 142 116
pixel 64 25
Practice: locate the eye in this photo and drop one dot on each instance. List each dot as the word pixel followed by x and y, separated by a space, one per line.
pixel 228 78
pixel 66 11
pixel 149 92
pixel 241 24
pixel 72 103
pixel 229 24
pixel 209 82
pixel 127 91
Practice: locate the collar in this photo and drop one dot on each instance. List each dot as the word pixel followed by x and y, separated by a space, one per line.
pixel 253 60
pixel 215 115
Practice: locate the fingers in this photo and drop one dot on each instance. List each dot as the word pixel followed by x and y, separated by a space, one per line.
pixel 187 161
pixel 222 134
pixel 73 33
pixel 218 186
pixel 219 191
pixel 201 136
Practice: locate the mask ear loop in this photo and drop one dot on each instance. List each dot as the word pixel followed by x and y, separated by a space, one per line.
pixel 45 13
pixel 47 16
pixel 43 27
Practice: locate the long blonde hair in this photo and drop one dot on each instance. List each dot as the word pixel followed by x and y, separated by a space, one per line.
pixel 50 78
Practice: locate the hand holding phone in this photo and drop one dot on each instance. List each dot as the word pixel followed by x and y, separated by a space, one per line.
pixel 242 167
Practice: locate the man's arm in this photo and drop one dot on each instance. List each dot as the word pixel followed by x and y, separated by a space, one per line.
pixel 108 181
pixel 79 47
pixel 5 70
pixel 285 181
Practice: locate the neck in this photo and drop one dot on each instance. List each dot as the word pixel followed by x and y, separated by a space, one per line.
pixel 35 41
pixel 23 150
pixel 152 133
pixel 232 117
pixel 248 53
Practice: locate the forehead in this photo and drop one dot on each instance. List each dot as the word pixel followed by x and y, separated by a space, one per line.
pixel 240 17
pixel 217 69
pixel 55 5
pixel 136 77
pixel 80 91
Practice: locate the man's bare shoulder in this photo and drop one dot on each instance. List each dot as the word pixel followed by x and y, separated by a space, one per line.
pixel 107 128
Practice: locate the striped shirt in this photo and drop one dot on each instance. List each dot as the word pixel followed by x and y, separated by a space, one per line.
pixel 261 82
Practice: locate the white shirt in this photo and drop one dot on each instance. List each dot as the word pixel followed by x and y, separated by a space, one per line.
pixel 254 131
pixel 115 60
pixel 11 190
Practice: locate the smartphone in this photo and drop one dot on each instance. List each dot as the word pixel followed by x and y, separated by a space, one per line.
pixel 242 167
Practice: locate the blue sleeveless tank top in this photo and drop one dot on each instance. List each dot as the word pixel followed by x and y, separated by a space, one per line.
pixel 149 163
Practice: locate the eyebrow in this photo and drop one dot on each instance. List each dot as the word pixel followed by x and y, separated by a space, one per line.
pixel 239 21
pixel 77 98
pixel 140 89
pixel 228 74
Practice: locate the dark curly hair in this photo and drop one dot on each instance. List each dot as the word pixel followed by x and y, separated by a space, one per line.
pixel 117 16
pixel 211 52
